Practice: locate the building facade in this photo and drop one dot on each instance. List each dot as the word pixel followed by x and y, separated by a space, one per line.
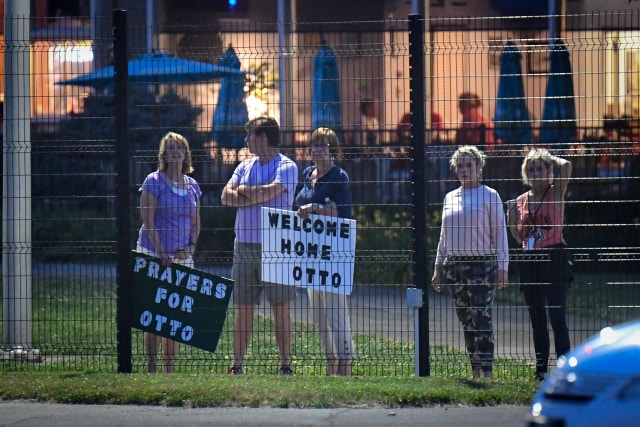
pixel 70 38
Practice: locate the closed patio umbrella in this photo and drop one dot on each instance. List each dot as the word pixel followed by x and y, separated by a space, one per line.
pixel 511 118
pixel 326 109
pixel 230 114
pixel 558 124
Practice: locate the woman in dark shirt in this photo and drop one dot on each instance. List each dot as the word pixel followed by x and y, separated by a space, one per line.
pixel 326 192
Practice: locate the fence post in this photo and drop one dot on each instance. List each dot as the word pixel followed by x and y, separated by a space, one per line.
pixel 419 217
pixel 123 198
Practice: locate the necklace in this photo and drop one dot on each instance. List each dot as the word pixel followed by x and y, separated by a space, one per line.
pixel 174 182
pixel 536 204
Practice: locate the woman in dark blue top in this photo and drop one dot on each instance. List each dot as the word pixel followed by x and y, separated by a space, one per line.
pixel 326 192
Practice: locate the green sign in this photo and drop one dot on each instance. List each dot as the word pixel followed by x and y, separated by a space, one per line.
pixel 178 302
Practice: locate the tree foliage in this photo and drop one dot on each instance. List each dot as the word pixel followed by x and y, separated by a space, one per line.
pixel 76 164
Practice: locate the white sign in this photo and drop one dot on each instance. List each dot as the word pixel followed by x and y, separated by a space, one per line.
pixel 316 253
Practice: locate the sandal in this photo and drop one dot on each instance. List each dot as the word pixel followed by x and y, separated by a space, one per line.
pixel 236 370
pixel 285 370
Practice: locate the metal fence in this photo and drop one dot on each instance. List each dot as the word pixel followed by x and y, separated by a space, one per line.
pixel 72 302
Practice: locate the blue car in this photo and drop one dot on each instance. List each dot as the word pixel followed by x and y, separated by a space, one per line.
pixel 596 384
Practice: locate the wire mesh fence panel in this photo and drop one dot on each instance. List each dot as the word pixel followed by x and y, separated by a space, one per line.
pixel 352 77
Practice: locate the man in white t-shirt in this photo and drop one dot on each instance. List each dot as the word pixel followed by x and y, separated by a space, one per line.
pixel 268 179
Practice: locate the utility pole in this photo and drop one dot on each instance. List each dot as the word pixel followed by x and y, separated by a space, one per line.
pixel 16 186
pixel 285 24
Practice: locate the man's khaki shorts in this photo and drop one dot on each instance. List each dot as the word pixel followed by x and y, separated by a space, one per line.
pixel 246 274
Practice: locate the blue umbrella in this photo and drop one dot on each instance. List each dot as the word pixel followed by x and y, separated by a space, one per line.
pixel 511 118
pixel 231 114
pixel 558 124
pixel 326 109
pixel 156 68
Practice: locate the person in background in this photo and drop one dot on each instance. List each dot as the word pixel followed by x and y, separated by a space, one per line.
pixel 613 147
pixel 400 159
pixel 170 209
pixel 437 127
pixel 439 151
pixel 536 220
pixel 326 192
pixel 369 132
pixel 400 163
pixel 269 179
pixel 476 129
pixel 368 160
pixel 473 255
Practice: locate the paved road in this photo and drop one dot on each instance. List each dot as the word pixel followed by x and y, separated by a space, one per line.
pixel 21 414
pixel 383 311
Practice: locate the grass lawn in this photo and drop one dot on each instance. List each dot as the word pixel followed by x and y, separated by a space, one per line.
pixel 197 390
pixel 74 327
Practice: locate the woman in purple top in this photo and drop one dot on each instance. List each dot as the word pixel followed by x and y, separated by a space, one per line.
pixel 326 192
pixel 170 209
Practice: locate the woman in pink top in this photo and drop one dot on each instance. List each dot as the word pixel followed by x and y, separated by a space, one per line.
pixel 535 220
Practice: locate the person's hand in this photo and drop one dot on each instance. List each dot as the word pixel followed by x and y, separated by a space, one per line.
pixel 306 210
pixel 181 254
pixel 165 259
pixel 512 211
pixel 436 281
pixel 502 279
pixel 184 253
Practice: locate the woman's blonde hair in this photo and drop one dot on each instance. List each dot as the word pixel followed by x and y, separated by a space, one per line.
pixel 187 167
pixel 540 154
pixel 472 151
pixel 330 138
